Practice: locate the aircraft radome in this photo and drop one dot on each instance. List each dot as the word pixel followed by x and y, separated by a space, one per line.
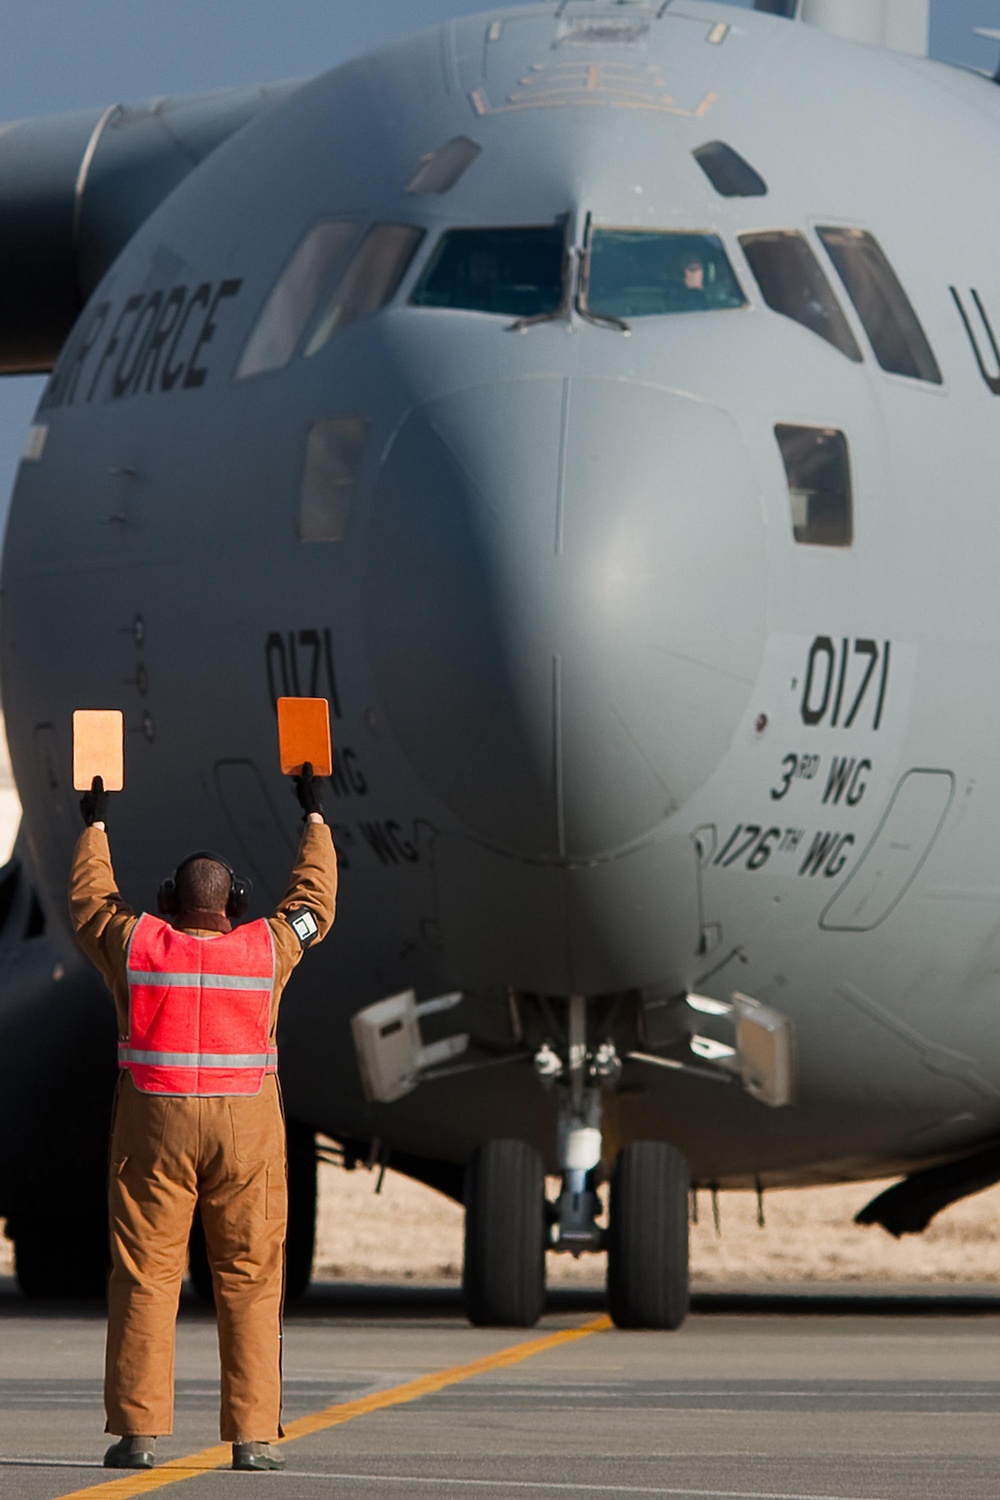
pixel 596 403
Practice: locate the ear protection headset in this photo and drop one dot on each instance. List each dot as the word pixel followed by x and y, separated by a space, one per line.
pixel 237 904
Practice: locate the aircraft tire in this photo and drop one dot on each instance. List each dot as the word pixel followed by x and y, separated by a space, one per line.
pixel 302 1187
pixel 199 1269
pixel 503 1275
pixel 65 1258
pixel 301 1242
pixel 648 1278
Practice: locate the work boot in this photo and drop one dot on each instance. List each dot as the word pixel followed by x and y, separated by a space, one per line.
pixel 256 1456
pixel 131 1453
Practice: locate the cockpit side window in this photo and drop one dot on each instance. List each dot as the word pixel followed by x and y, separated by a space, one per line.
pixel 515 273
pixel 817 463
pixel 730 174
pixel 334 451
pixel 643 273
pixel 889 319
pixel 282 322
pixel 792 282
pixel 371 280
pixel 440 170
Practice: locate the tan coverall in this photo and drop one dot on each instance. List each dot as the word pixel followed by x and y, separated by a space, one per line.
pixel 170 1155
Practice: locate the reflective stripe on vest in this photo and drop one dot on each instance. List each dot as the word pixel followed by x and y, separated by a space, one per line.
pixel 266 1060
pixel 199 1010
pixel 205 981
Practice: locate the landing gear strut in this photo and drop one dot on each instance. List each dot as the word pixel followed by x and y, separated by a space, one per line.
pixel 647 1234
pixel 580 1140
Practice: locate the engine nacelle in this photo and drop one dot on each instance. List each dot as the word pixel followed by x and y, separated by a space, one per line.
pixel 75 188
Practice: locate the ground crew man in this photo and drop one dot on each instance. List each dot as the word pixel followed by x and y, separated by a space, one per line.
pixel 197 1122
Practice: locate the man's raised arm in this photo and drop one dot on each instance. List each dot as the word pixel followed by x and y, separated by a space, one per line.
pixel 102 919
pixel 306 912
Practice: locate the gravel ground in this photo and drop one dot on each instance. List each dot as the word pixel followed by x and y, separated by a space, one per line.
pixel 408 1232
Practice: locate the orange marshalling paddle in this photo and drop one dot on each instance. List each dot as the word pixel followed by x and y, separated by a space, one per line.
pixel 304 735
pixel 99 748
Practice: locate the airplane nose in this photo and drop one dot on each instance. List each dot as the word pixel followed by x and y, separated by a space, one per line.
pixel 565 605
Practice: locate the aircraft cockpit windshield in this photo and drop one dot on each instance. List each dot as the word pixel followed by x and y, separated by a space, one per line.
pixel 517 272
pixel 641 273
pixel 627 273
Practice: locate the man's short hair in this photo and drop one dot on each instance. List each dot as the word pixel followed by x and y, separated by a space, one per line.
pixel 203 885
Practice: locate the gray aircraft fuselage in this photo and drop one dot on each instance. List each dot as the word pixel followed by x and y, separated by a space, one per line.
pixel 603 726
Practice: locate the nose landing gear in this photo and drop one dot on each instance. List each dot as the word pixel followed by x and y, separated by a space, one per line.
pixel 508 1223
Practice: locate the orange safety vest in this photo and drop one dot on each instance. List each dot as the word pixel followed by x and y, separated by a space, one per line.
pixel 199 1010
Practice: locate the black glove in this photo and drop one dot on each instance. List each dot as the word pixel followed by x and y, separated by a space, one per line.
pixel 309 790
pixel 94 804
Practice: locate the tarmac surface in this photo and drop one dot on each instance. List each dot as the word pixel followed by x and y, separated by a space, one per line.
pixel 847 1395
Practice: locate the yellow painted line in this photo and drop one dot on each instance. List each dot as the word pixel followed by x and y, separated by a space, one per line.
pixel 176 1470
pixel 427 1385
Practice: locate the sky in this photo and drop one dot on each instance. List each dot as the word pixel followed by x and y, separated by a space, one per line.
pixel 61 55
